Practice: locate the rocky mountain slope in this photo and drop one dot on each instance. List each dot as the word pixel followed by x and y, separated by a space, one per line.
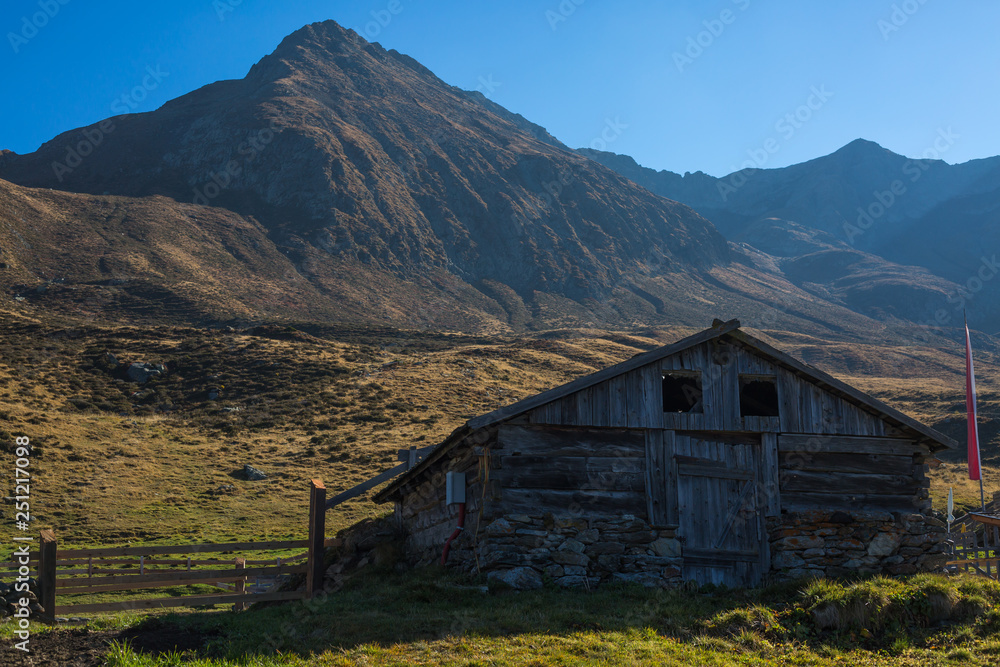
pixel 357 185
pixel 897 234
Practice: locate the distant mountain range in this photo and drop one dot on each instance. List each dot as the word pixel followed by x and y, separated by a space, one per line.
pixel 341 181
pixel 853 226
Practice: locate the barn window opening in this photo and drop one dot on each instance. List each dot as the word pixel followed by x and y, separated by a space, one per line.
pixel 758 396
pixel 682 392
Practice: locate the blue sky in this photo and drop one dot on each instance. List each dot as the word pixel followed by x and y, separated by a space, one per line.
pixel 681 85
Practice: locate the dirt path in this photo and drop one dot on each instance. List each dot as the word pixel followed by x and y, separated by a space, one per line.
pixel 80 647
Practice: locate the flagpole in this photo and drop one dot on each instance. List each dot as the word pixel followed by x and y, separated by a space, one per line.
pixel 972 413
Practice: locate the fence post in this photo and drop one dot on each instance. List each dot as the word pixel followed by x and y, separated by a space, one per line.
pixel 47 574
pixel 241 585
pixel 317 535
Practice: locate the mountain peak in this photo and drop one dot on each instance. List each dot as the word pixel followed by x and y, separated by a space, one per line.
pixel 861 147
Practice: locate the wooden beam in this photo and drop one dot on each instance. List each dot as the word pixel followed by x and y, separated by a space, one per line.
pixel 317 531
pixel 183 549
pixel 183 601
pixel 694 470
pixel 405 454
pixel 845 444
pixel 848 483
pixel 67 588
pixel 364 486
pixel 157 579
pixel 47 574
pixel 985 519
pixel 241 585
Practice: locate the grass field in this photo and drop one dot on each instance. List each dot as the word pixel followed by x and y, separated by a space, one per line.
pixel 435 617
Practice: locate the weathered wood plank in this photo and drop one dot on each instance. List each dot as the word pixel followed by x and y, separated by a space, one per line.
pixel 848 502
pixel 788 401
pixel 534 463
pixel 794 481
pixel 875 464
pixel 617 403
pixel 715 471
pixel 576 479
pixel 186 548
pixel 568 441
pixel 541 472
pixel 788 442
pixel 656 482
pixel 564 502
pixel 668 445
pixel 768 479
pixel 653 380
pixel 634 399
pixel 600 404
pixel 168 578
pixel 184 601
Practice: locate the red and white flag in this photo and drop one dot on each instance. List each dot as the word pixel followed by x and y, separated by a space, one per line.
pixel 970 406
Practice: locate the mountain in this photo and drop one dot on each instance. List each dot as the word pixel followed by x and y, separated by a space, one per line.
pixel 353 157
pixel 381 194
pixel 897 234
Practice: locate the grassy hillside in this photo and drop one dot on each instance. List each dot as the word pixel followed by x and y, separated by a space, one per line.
pixel 118 461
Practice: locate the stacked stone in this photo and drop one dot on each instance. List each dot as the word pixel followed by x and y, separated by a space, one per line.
pixel 10 599
pixel 523 550
pixel 837 543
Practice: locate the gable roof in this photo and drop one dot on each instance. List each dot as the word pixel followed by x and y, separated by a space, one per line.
pixel 718 330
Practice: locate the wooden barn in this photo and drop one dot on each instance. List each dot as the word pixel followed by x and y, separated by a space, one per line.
pixel 717 459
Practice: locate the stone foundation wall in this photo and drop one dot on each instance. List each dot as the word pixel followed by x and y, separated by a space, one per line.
pixel 524 550
pixel 837 543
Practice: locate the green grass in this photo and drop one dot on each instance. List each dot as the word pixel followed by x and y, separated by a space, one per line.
pixel 435 617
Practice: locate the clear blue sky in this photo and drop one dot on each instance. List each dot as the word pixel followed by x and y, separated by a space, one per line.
pixel 572 66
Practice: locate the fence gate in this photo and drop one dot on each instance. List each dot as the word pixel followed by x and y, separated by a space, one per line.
pixel 977 549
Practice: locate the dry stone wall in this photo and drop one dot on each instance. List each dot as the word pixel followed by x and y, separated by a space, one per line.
pixel 837 543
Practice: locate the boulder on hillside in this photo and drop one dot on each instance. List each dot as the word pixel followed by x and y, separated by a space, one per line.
pixel 252 474
pixel 143 372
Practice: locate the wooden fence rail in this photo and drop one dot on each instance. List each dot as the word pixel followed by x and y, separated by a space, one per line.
pixel 976 549
pixel 54 578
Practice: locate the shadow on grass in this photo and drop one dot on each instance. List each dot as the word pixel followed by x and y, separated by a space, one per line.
pixel 388 609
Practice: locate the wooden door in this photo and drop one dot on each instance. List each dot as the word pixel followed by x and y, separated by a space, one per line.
pixel 720 508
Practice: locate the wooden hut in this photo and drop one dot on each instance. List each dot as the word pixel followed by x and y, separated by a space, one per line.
pixel 717 459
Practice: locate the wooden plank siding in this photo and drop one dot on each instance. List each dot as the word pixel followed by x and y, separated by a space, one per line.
pixel 633 399
pixel 568 470
pixel 850 472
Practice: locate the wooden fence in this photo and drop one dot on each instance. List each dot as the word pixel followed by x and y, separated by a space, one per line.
pixel 976 548
pixel 112 569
